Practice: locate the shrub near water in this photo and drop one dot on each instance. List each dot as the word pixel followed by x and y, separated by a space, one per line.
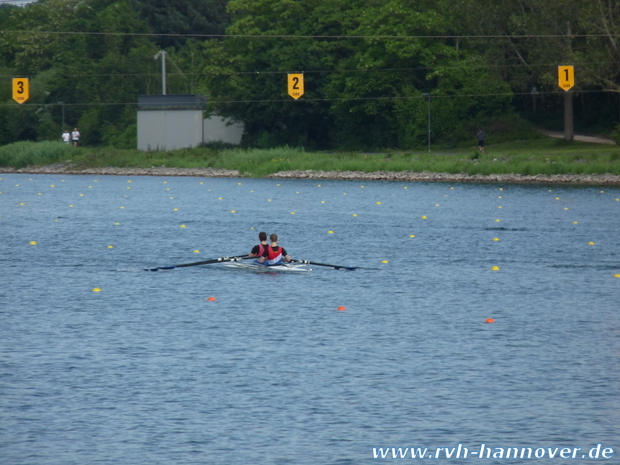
pixel 21 154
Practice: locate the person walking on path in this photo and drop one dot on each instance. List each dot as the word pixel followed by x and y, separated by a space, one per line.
pixel 66 137
pixel 481 137
pixel 75 136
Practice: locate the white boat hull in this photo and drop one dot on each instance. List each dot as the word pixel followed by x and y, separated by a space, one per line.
pixel 251 265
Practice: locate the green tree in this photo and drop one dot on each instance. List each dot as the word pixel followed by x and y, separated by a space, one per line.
pixel 173 19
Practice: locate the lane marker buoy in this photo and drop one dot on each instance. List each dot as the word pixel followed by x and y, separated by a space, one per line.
pixel 489 320
pixel 211 299
pixel 33 242
pixel 96 289
pixel 495 268
pixel 341 308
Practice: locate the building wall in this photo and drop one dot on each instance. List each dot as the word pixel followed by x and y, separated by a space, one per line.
pixel 218 129
pixel 169 129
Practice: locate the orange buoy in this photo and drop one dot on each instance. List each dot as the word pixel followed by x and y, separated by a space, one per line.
pixel 211 299
pixel 489 320
pixel 341 308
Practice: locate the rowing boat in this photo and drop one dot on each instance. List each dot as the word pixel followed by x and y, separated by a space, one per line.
pixel 252 265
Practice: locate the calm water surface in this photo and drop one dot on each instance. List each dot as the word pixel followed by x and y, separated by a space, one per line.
pixel 148 371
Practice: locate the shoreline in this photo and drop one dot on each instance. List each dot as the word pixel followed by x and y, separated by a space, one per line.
pixel 402 176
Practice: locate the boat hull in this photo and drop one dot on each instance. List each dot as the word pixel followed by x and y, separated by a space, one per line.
pixel 251 265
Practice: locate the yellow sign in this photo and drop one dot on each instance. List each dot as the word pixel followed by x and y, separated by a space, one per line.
pixel 21 90
pixel 566 77
pixel 296 85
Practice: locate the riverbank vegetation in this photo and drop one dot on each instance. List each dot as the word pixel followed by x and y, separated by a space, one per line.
pixel 543 156
pixel 375 72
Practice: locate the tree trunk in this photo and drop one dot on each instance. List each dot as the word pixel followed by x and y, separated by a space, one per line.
pixel 569 131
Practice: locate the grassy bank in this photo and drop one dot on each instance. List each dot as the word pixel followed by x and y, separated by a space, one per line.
pixel 541 156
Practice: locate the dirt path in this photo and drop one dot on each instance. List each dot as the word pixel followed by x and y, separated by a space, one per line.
pixel 580 138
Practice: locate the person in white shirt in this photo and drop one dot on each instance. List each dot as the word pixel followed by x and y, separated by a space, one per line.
pixel 66 137
pixel 75 135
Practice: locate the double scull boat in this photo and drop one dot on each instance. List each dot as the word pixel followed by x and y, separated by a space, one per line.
pixel 252 265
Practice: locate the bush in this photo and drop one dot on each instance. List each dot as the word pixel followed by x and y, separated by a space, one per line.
pixel 21 154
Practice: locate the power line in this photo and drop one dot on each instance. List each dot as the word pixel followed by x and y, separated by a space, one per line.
pixel 289 100
pixel 292 36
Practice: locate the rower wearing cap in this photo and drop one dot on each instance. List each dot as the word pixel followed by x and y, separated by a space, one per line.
pixel 274 255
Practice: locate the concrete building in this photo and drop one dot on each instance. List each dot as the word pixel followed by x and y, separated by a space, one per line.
pixel 169 122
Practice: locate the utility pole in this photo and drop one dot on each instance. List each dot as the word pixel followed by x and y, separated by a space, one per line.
pixel 428 117
pixel 163 70
pixel 63 115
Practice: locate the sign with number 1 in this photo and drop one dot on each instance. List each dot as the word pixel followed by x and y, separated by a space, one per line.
pixel 566 77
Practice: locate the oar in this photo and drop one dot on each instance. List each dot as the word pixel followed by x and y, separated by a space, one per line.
pixel 336 267
pixel 204 262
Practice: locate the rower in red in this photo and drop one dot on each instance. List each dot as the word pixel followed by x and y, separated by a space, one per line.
pixel 274 255
pixel 259 250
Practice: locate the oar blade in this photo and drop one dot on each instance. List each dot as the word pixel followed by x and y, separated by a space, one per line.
pixel 336 267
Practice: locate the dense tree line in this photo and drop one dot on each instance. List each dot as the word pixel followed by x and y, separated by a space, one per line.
pixel 372 69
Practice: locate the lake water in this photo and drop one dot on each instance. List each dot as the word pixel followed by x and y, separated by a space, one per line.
pixel 149 371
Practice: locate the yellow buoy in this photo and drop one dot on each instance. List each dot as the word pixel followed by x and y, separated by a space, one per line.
pixel 498 220
pixel 175 209
pixel 330 232
pixel 354 214
pixel 96 289
pixel 590 243
pixel 116 224
pixel 575 222
pixel 233 211
pixel 496 239
pixel 110 247
pixel 196 251
pixel 33 242
pixel 292 213
pixel 182 226
pixel 411 235
pixel 378 203
pixel 384 261
pixel 424 217
pixel 617 275
pixel 495 268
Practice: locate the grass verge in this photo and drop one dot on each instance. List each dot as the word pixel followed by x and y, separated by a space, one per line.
pixel 541 156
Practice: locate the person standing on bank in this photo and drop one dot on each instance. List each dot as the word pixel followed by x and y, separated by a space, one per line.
pixel 274 255
pixel 75 136
pixel 66 137
pixel 259 250
pixel 481 137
